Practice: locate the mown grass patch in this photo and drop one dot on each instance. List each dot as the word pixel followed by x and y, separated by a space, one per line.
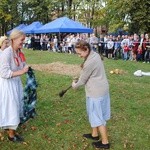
pixel 60 122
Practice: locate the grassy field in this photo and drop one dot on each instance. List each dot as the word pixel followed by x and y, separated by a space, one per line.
pixel 60 122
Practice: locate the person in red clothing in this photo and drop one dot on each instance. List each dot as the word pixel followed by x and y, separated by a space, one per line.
pixel 125 51
pixel 143 44
pixel 139 53
pixel 135 47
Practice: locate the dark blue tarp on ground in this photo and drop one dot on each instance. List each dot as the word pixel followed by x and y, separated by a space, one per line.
pixel 20 27
pixel 64 25
pixel 30 28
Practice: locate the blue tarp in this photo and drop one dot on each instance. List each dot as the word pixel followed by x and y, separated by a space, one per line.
pixel 30 28
pixel 64 25
pixel 20 27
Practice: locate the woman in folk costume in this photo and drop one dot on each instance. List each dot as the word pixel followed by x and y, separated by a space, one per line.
pixel 12 66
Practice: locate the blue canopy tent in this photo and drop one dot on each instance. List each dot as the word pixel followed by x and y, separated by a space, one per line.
pixel 30 28
pixel 63 25
pixel 20 27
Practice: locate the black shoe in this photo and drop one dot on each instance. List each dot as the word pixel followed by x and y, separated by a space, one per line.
pixel 99 144
pixel 16 138
pixel 89 136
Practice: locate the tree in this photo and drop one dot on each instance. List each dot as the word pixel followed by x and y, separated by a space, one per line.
pixel 5 16
pixel 139 15
pixel 135 14
pixel 114 14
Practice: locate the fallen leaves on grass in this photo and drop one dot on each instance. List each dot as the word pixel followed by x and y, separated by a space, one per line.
pixel 46 137
pixel 23 126
pixel 33 128
pixel 25 143
pixel 64 122
pixel 128 144
pixel 58 124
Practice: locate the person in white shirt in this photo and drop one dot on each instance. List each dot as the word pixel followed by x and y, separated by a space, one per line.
pixel 110 45
pixel 55 41
pixel 125 41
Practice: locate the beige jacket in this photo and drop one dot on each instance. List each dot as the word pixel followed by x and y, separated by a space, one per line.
pixel 93 77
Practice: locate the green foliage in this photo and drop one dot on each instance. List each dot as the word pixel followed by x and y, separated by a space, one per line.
pixel 5 15
pixel 113 14
pixel 140 16
pixel 3 8
pixel 38 10
pixel 134 13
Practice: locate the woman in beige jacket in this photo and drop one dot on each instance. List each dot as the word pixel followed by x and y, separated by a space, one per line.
pixel 97 93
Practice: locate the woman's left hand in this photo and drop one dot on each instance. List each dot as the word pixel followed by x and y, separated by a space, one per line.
pixel 25 69
pixel 73 84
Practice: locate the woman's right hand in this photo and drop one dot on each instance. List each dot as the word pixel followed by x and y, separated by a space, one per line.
pixel 75 79
pixel 20 72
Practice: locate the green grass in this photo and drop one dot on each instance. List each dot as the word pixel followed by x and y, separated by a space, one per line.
pixel 61 122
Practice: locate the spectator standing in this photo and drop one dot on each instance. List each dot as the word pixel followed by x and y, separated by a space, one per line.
pixel 55 42
pixel 29 42
pixel 73 42
pixel 110 45
pixel 105 45
pixel 33 42
pixel 130 52
pixel 143 46
pixel 117 47
pixel 135 46
pixel 93 42
pixel 147 52
pixel 101 45
pixel 69 44
pixel 125 51
pixel 139 53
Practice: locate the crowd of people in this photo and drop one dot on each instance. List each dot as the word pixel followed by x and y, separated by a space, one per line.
pixel 126 47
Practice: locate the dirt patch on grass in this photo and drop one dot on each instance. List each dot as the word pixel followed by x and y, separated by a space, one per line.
pixel 58 68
